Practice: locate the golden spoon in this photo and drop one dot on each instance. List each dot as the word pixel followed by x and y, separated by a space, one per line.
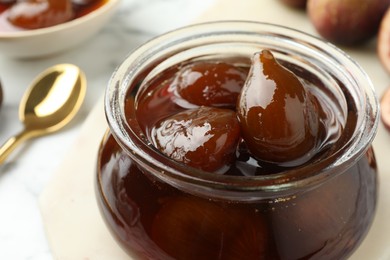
pixel 50 102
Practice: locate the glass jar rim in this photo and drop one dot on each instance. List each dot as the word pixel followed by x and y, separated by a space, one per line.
pixel 196 180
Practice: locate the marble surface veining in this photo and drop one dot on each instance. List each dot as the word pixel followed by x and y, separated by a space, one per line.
pixel 28 170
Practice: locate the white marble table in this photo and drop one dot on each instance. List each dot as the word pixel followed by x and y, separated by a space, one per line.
pixel 30 168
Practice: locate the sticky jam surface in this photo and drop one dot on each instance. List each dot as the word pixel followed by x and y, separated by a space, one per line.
pixel 154 220
pixel 282 125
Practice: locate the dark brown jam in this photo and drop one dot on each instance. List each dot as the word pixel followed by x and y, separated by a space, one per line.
pixel 163 97
pixel 34 14
pixel 205 130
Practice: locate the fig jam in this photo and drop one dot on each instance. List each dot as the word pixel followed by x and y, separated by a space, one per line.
pixel 177 179
pixel 163 99
pixel 33 14
pixel 161 221
pixel 153 220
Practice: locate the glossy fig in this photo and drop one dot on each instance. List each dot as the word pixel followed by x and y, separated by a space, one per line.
pixel 204 138
pixel 279 119
pixel 215 84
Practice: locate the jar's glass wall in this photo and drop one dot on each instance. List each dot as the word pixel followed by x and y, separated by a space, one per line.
pixel 153 204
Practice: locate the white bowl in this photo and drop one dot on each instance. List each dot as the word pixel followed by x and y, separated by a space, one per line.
pixel 46 41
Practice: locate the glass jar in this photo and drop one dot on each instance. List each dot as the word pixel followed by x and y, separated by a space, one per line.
pixel 160 209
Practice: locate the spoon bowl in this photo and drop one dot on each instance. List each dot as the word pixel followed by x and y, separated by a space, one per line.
pixel 53 98
pixel 50 102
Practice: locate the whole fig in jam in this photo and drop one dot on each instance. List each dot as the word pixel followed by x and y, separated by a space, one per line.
pixel 278 117
pixel 205 138
pixel 215 84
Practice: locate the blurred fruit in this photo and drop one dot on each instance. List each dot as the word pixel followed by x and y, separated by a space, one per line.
pixel 295 3
pixel 347 22
pixel 385 108
pixel 279 119
pixel 383 44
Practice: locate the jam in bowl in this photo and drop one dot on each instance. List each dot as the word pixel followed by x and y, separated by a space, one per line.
pixel 238 140
pixel 32 14
pixel 39 28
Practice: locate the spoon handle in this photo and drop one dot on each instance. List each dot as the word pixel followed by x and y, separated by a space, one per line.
pixel 12 143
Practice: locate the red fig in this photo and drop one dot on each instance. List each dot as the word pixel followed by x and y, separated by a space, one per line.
pixel 385 108
pixel 347 22
pixel 383 44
